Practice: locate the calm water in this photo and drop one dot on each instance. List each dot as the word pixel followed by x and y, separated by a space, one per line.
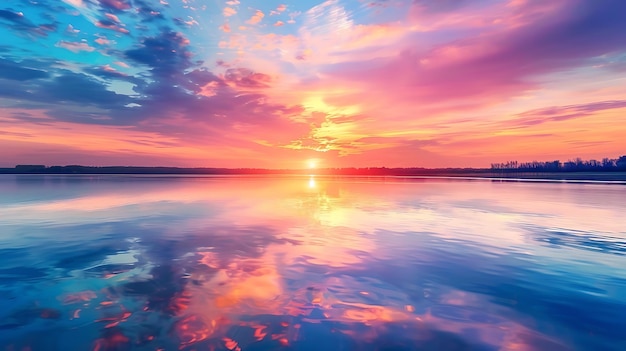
pixel 309 263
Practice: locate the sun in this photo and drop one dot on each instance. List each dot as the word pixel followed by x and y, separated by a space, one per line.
pixel 311 163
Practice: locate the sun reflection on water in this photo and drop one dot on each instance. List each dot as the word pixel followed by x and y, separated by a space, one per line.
pixel 273 264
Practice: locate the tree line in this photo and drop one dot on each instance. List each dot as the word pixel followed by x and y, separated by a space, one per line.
pixel 576 165
pixel 499 169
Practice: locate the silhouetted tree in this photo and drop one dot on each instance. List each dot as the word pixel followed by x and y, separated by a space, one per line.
pixel 575 165
pixel 621 163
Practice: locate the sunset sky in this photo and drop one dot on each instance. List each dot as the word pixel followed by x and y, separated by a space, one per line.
pixel 287 84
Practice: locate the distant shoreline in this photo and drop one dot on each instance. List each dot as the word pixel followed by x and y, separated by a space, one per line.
pixel 478 173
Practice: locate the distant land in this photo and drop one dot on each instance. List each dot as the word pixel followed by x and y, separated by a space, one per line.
pixel 578 169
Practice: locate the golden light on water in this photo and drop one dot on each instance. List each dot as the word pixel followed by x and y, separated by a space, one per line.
pixel 312 182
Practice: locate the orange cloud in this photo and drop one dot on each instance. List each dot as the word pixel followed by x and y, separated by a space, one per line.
pixel 256 18
pixel 225 28
pixel 229 11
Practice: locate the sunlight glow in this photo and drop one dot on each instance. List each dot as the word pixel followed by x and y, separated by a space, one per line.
pixel 318 103
pixel 312 182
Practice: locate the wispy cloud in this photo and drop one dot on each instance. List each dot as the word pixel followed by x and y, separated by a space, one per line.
pixel 75 46
pixel 115 4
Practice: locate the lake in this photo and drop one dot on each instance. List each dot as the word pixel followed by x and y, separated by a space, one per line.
pixel 310 263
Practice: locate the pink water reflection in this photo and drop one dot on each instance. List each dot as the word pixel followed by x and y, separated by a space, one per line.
pixel 230 262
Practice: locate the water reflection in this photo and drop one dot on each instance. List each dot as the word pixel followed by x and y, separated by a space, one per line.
pixel 312 182
pixel 310 263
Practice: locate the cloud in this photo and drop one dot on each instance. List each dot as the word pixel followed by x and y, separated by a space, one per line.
pixel 189 22
pixel 103 41
pixel 112 17
pixel 245 78
pixel 16 71
pixel 63 93
pixel 562 113
pixel 71 30
pixel 19 23
pixel 279 10
pixel 112 25
pixel 229 11
pixel 147 11
pixel 199 97
pixel 427 7
pixel 108 72
pixel 80 88
pixel 115 5
pixel 165 54
pixel 493 65
pixel 400 72
pixel 75 3
pixel 15 17
pixel 423 77
pixel 256 18
pixel 75 47
pixel 225 28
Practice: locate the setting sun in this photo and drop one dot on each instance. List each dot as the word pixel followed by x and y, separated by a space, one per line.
pixel 311 163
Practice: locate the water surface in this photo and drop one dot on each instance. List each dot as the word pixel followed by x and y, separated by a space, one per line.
pixel 310 263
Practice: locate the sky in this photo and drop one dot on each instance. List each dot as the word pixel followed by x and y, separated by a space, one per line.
pixel 293 84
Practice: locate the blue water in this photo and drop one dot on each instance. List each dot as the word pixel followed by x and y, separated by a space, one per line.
pixel 310 263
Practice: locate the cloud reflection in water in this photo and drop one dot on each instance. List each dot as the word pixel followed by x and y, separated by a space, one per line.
pixel 193 263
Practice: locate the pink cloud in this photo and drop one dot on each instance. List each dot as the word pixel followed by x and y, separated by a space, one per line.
pixel 246 79
pixel 492 66
pixel 116 4
pixel 229 11
pixel 75 47
pixel 431 16
pixel 103 41
pixel 256 18
pixel 108 68
pixel 76 3
pixel 225 28
pixel 279 10
pixel 112 17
